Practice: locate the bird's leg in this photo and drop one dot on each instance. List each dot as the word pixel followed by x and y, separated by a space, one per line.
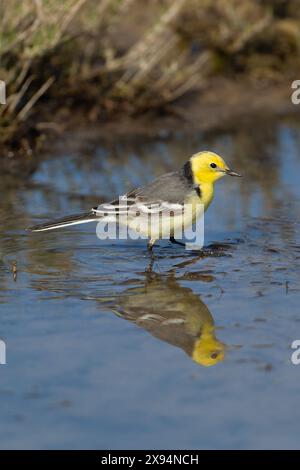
pixel 172 240
pixel 150 244
pixel 149 269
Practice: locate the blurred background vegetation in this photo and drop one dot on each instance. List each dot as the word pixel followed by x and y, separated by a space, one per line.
pixel 109 58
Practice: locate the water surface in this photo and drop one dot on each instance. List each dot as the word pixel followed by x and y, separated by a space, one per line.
pixel 108 350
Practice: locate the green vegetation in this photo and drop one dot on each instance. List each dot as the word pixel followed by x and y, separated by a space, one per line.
pixel 111 57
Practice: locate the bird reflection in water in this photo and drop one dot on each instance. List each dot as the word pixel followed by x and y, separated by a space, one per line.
pixel 173 314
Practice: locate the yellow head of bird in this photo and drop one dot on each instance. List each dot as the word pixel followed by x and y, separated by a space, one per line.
pixel 208 350
pixel 208 167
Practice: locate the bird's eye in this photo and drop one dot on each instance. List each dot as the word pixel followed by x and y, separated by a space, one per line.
pixel 214 355
pixel 213 165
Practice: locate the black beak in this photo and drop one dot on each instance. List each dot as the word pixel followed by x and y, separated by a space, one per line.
pixel 231 173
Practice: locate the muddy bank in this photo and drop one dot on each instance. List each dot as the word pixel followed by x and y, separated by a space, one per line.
pixel 140 68
pixel 224 105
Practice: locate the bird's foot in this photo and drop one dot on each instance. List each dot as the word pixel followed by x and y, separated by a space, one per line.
pixel 176 242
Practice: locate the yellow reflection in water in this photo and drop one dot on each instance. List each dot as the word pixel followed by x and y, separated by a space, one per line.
pixel 173 314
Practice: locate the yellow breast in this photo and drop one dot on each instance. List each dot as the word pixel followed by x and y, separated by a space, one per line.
pixel 206 194
pixel 203 198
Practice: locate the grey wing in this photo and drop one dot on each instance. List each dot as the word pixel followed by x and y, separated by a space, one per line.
pixel 170 187
pixel 165 192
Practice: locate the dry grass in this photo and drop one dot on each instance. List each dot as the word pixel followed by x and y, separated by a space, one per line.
pixel 114 56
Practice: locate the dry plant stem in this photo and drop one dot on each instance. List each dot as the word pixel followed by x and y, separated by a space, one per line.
pixel 67 19
pixel 15 99
pixel 21 116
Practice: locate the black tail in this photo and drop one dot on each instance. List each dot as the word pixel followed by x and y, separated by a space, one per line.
pixel 75 219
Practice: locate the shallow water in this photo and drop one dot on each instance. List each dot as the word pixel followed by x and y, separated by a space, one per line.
pixel 106 350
